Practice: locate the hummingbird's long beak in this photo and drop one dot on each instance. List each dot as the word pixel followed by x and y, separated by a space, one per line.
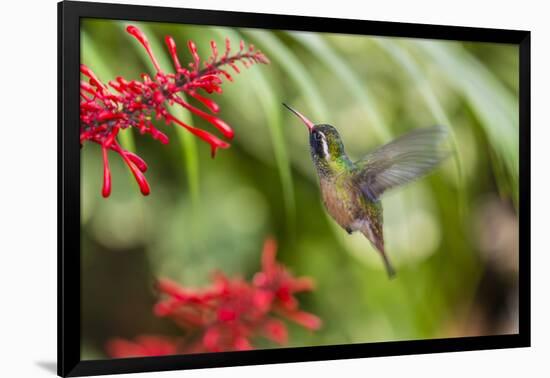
pixel 306 121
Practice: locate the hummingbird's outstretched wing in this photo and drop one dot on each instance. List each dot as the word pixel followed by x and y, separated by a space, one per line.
pixel 401 161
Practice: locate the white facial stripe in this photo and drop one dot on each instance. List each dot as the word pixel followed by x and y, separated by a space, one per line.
pixel 325 145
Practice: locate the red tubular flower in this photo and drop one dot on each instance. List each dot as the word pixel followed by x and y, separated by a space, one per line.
pixel 106 191
pixel 277 280
pixel 230 313
pixel 134 103
pixel 142 346
pixel 136 32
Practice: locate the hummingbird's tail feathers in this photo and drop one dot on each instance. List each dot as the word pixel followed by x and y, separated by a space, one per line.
pixel 388 265
pixel 401 161
pixel 376 237
pixel 379 245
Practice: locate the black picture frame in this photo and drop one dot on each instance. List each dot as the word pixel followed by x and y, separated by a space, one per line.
pixel 69 284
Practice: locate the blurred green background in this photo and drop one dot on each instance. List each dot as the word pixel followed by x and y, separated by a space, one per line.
pixel 453 236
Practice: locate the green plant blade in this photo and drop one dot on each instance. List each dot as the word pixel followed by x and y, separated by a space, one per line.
pixel 295 70
pixel 270 101
pixel 324 53
pixel 490 100
pixel 405 61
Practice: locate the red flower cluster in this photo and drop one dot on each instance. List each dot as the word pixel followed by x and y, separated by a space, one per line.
pixel 104 113
pixel 231 312
pixel 143 346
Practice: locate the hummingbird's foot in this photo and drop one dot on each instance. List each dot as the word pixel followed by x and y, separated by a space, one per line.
pixel 349 230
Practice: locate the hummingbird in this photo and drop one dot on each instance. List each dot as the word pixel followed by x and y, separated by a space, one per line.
pixel 351 191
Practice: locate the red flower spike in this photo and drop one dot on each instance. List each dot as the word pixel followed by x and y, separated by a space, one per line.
pixel 136 103
pixel 231 313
